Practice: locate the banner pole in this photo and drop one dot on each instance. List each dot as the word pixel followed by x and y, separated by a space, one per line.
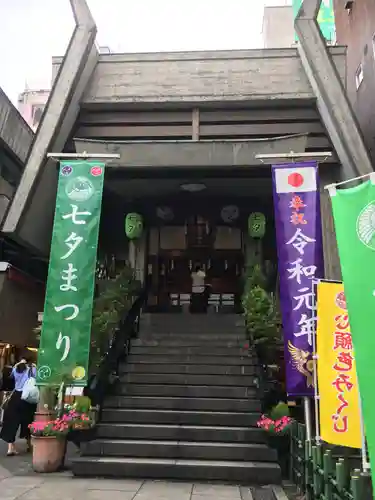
pixel 307 412
pixel 366 467
pixel 354 179
pixel 314 285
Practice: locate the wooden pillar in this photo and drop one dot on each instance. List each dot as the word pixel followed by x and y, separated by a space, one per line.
pixel 332 269
pixel 195 124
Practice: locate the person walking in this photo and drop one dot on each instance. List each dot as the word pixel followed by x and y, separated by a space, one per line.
pixel 198 296
pixel 18 413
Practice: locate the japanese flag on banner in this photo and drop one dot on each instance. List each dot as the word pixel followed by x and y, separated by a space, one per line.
pixel 295 180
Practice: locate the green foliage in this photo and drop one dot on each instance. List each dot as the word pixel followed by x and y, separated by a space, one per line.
pixel 279 411
pixel 262 317
pixel 112 302
pixel 82 404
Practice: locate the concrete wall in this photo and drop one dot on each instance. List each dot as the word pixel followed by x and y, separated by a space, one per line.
pixel 198 77
pixel 6 194
pixel 14 131
pixel 356 29
pixel 278 27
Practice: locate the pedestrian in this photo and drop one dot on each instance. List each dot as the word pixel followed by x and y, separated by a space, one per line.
pixel 18 413
pixel 198 296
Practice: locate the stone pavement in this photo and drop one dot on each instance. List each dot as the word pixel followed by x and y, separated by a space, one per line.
pixel 19 482
pixel 64 487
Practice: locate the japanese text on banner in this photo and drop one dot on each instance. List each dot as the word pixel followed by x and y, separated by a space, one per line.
pixel 298 231
pixel 337 376
pixel 66 330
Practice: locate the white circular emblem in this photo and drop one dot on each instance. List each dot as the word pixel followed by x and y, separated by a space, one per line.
pixel 366 226
pixel 79 189
pixel 165 213
pixel 44 372
pixel 230 213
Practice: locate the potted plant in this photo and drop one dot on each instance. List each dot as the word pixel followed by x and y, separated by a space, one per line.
pixel 49 444
pixel 278 425
pixel 81 426
pixel 262 317
pixel 115 297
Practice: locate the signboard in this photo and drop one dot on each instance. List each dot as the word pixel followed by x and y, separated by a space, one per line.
pixel 339 414
pixel 66 329
pixel 300 257
pixel 354 217
pixel 326 19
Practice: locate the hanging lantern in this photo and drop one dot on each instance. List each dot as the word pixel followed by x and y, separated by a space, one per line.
pixel 133 226
pixel 257 225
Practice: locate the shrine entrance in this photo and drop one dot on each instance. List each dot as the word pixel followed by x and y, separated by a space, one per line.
pixel 200 241
pixel 185 228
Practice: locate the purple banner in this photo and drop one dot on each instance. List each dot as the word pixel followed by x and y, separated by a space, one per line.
pixel 300 256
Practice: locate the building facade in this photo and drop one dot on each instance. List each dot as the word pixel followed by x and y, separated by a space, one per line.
pixel 355 26
pixel 187 130
pixel 278 27
pixel 21 272
pixel 31 104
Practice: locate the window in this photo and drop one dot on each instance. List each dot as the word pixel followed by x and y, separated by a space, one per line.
pixel 359 76
pixel 36 112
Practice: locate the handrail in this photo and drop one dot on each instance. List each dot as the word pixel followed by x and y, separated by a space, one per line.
pixel 119 348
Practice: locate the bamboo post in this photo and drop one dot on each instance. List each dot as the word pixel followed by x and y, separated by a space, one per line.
pixel 308 479
pixel 315 474
pixel 341 476
pixel 356 487
pixel 327 473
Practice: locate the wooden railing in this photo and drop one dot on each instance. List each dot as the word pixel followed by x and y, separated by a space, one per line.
pixel 321 475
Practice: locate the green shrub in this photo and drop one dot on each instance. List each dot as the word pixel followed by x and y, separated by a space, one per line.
pixel 279 411
pixel 262 317
pixel 115 299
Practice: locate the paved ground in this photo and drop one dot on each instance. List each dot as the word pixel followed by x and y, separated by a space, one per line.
pixel 19 482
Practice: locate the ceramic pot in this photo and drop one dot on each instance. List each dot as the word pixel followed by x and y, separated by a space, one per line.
pixel 44 416
pixel 48 453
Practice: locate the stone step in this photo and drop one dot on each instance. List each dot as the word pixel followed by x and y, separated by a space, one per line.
pixel 152 416
pixel 195 470
pixel 181 403
pixel 201 337
pixel 192 319
pixel 188 331
pixel 189 379
pixel 187 342
pixel 197 391
pixel 194 359
pixel 199 369
pixel 180 432
pixel 179 450
pixel 185 350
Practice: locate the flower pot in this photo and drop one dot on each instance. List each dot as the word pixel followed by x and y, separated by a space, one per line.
pixel 48 453
pixel 44 416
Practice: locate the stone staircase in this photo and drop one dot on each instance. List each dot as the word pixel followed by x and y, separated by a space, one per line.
pixel 185 407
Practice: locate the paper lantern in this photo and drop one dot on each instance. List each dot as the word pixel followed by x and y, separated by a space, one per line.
pixel 257 225
pixel 133 226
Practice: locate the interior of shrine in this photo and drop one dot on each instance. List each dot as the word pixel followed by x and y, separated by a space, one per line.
pixel 187 221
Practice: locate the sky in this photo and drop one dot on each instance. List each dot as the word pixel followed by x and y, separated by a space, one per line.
pixel 32 31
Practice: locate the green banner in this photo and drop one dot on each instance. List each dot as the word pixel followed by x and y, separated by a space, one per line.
pixel 354 216
pixel 66 330
pixel 326 19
